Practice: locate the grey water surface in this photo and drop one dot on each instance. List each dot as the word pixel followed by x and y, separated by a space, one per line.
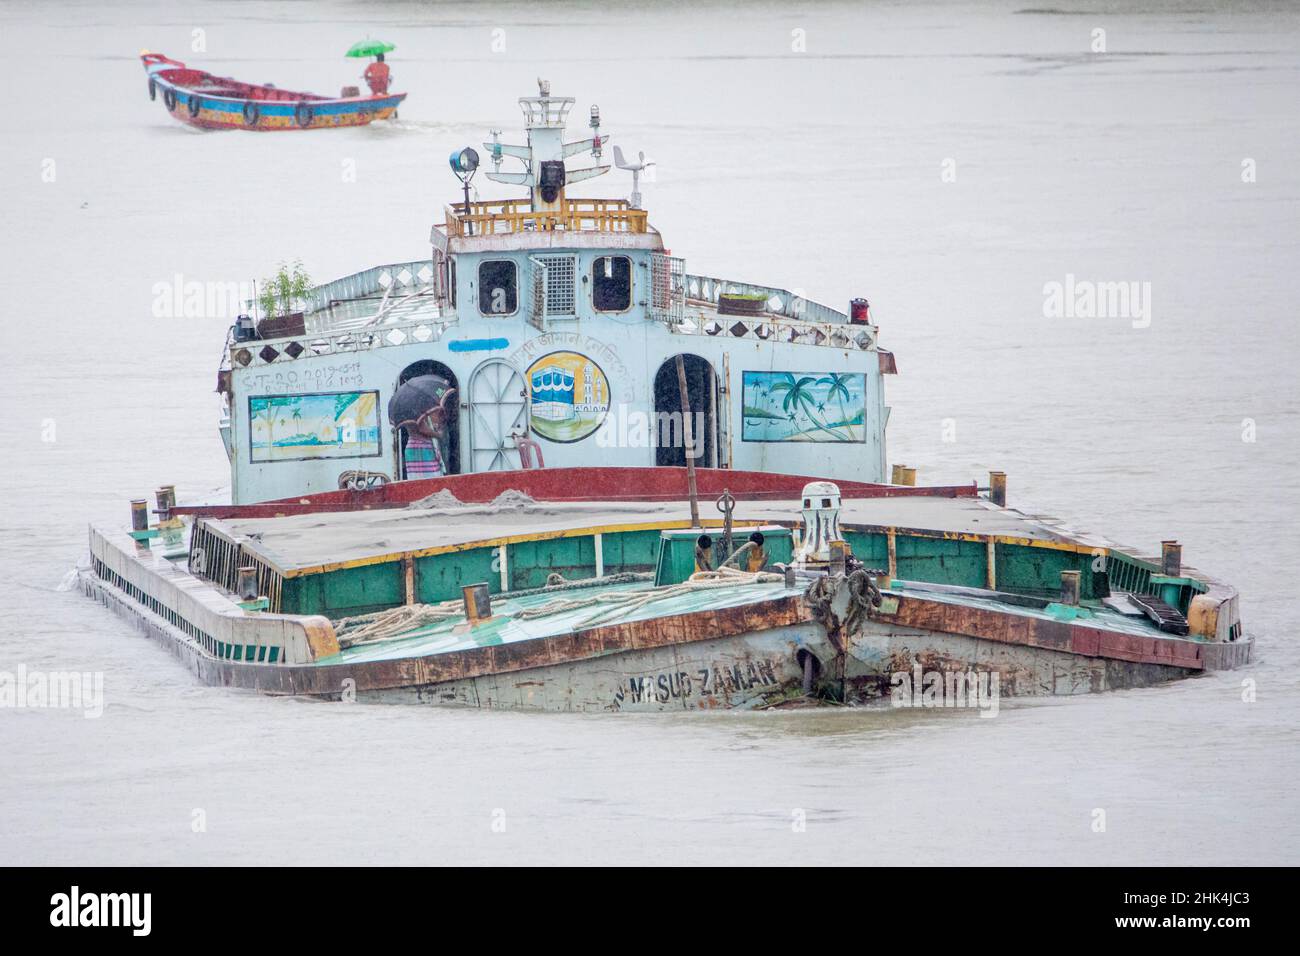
pixel 948 161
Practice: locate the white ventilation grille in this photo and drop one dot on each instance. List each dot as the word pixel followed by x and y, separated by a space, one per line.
pixel 561 280
pixel 667 288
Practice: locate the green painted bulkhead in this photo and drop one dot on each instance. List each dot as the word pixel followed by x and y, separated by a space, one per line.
pixel 676 561
pixel 439 577
pixel 1020 568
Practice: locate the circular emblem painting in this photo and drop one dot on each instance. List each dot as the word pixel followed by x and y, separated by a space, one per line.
pixel 568 396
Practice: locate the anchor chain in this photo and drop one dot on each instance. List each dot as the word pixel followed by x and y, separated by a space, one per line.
pixel 726 504
pixel 863 595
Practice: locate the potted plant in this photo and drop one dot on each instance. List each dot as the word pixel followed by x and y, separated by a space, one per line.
pixel 742 303
pixel 280 301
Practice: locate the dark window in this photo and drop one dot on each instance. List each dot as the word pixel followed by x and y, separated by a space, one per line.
pixel 611 284
pixel 498 287
pixel 451 282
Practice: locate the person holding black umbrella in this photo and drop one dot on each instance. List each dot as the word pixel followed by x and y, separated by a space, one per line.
pixel 424 408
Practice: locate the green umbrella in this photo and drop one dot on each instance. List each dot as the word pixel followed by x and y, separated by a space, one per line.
pixel 369 48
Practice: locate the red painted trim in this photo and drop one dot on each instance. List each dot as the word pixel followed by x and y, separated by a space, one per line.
pixel 572 484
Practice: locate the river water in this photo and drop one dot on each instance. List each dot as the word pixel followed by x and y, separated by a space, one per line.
pixel 947 161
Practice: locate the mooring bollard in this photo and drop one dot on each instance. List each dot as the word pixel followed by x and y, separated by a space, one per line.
pixel 478 602
pixel 789 576
pixel 139 514
pixel 839 557
pixel 1070 587
pixel 247 587
pixel 1171 558
pixel 165 502
pixel 998 488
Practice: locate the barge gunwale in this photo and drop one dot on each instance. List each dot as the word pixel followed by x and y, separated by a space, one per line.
pixel 937 612
pixel 786 619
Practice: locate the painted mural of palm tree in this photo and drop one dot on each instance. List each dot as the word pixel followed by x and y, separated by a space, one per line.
pixel 837 388
pixel 267 414
pixel 799 398
pixel 297 419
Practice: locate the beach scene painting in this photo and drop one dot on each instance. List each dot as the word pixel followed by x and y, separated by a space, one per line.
pixel 804 406
pixel 320 425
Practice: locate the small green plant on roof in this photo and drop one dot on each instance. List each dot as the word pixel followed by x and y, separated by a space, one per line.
pixel 284 290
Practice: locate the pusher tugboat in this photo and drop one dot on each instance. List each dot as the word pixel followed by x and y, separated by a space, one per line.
pixel 546 467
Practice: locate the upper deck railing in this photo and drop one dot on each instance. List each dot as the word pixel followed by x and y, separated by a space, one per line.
pixel 782 302
pixel 370 282
pixel 496 217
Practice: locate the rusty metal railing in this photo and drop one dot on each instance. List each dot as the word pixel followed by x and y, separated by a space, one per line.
pixel 216 556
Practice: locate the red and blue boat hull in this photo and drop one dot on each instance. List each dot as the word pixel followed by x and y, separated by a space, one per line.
pixel 200 99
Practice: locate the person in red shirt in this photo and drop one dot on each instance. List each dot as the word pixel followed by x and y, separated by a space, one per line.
pixel 376 76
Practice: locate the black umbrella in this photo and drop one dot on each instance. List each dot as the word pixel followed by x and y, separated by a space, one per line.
pixel 425 404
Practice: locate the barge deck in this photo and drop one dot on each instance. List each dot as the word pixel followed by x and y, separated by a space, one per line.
pixel 577 623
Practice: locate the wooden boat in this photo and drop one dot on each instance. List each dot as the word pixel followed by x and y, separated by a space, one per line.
pixel 200 99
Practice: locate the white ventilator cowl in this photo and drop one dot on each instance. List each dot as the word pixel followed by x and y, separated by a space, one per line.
pixel 821 519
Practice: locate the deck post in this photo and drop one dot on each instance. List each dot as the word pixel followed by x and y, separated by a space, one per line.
pixel 247 582
pixel 687 441
pixel 1070 587
pixel 991 564
pixel 477 602
pixel 139 514
pixel 1171 558
pixel 998 488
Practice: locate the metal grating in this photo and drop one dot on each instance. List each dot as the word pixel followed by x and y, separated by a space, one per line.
pixel 216 557
pixel 561 281
pixel 667 288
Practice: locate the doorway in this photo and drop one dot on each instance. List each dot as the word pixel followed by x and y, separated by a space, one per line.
pixel 452 445
pixel 702 397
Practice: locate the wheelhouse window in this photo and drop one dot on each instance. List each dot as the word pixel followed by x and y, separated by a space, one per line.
pixel 611 284
pixel 498 287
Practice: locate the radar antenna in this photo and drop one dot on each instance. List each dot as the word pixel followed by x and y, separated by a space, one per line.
pixel 636 169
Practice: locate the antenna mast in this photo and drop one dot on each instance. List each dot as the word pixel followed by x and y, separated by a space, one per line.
pixel 545 176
